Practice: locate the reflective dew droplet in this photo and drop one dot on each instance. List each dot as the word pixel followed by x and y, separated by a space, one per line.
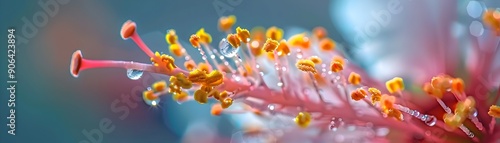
pixel 226 49
pixel 280 84
pixel 271 107
pixel 134 74
pixel 431 121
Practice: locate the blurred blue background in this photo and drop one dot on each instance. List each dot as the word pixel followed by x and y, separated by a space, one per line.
pixel 53 106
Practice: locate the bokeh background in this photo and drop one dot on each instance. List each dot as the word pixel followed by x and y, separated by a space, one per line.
pixel 53 106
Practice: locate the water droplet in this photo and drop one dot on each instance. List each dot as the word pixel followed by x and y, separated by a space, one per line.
pixel 271 107
pixel 474 112
pixel 431 121
pixel 280 84
pixel 226 49
pixel 134 74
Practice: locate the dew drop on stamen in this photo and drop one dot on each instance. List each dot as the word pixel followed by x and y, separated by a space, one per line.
pixel 280 84
pixel 226 49
pixel 134 74
pixel 271 108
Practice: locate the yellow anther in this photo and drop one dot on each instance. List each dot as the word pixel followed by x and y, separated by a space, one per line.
pixel 159 86
pixel 216 109
pixel 204 37
pixel 179 97
pixel 457 85
pixel 190 65
pixel 171 37
pixel 320 32
pixel 201 96
pixel 204 67
pixel 395 85
pixel 453 120
pixel 197 76
pixel 394 113
pixel 491 18
pixel 255 48
pixel 338 59
pixel 225 23
pixel 258 34
pixel 336 66
pixel 433 91
pixel 283 48
pixel 214 78
pixel 233 40
pixel 222 95
pixel 315 59
pixel 182 81
pixel 303 119
pixel 300 40
pixel 176 49
pixel 169 62
pixel 441 82
pixel 354 78
pixel 270 45
pixel 194 40
pixel 226 102
pixel 149 95
pixel 494 111
pixel 157 54
pixel 274 33
pixel 306 65
pixel 466 107
pixel 376 94
pixel 327 44
pixel 387 102
pixel 358 94
pixel 243 35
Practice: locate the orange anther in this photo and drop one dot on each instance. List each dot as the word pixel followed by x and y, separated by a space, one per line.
pixel 354 78
pixel 327 44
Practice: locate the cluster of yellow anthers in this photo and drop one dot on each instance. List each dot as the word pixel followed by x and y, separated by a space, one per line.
pixel 443 83
pixel 303 119
pixel 175 48
pixel 492 19
pixel 208 83
pixel 386 101
pixel 177 83
pixel 152 95
pixel 166 61
pixel 201 37
pixel 462 111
